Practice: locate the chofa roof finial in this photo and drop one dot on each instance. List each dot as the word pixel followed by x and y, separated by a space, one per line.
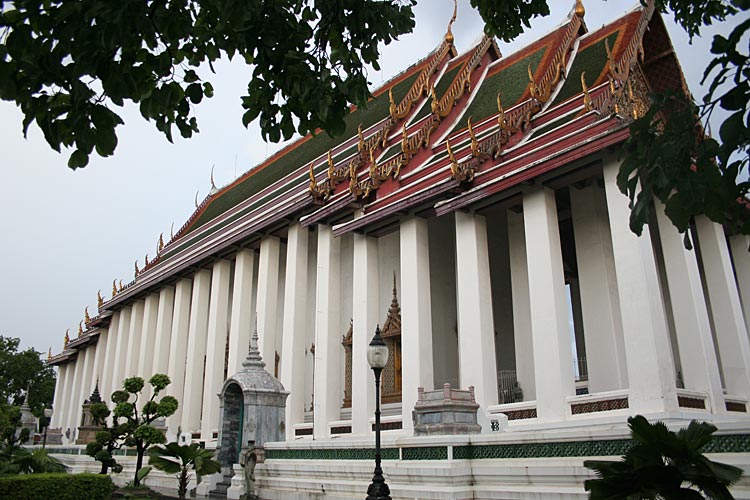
pixel 449 32
pixel 580 9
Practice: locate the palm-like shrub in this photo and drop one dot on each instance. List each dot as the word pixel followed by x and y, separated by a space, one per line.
pixel 37 461
pixel 181 460
pixel 663 464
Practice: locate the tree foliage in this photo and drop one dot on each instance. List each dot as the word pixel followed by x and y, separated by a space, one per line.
pixel 181 459
pixel 70 66
pixel 130 427
pixel 663 464
pixel 24 370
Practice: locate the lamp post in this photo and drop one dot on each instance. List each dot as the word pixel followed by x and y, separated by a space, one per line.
pixel 47 417
pixel 377 356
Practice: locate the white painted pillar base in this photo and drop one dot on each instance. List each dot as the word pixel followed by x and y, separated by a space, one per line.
pixel 216 342
pixel 241 326
pixel 550 333
pixel 700 368
pixel 178 350
pixel 602 325
pixel 268 296
pixel 416 316
pixel 327 378
pixel 196 350
pixel 365 305
pixel 729 323
pixel 294 333
pixel 648 353
pixel 476 332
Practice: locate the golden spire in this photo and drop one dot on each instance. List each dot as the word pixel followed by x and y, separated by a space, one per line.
pixel 80 328
pixel 67 338
pixel 160 245
pixel 86 317
pixel 114 288
pixel 136 267
pixel 49 353
pixel 449 33
pixel 99 299
pixel 580 9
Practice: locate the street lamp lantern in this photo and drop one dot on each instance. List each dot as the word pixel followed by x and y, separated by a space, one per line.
pixel 377 356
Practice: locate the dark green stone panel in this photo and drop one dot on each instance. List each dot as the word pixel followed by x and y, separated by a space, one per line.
pixel 425 453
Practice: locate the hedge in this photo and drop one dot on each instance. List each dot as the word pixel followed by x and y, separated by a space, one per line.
pixel 56 486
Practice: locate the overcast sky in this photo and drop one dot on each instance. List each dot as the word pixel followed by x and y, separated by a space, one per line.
pixel 66 234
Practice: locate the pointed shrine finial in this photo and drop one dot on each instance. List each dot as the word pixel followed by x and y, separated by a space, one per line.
pixel 95 396
pixel 121 287
pixel 213 184
pixel 86 317
pixel 114 288
pixel 137 271
pixel 254 359
pixel 160 245
pixel 196 199
pixel 580 9
pixel 171 231
pixel 449 32
pixel 80 328
pixel 66 340
pixel 49 353
pixel 99 298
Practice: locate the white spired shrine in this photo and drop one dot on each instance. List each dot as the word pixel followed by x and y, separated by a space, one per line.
pixel 470 211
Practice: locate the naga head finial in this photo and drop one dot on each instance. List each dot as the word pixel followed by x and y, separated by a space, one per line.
pixel 449 32
pixel 213 184
pixel 99 299
pixel 80 328
pixel 313 182
pixel 114 288
pixel 86 317
pixel 160 245
pixel 137 271
pixel 66 340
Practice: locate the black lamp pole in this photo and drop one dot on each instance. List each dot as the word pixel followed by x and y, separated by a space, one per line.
pixel 378 490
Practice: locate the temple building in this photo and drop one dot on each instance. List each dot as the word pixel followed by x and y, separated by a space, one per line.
pixel 472 212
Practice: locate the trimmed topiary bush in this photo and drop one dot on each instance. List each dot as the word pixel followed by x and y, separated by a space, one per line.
pixel 57 486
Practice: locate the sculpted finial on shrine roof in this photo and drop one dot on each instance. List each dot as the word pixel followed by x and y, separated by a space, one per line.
pixel 449 33
pixel 80 328
pixel 196 199
pixel 121 287
pixel 99 299
pixel 49 353
pixel 580 9
pixel 474 143
pixel 171 231
pixel 86 317
pixel 137 271
pixel 66 340
pixel 114 288
pixel 160 245
pixel 500 113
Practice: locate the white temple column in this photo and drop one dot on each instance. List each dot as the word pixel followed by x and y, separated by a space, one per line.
pixel 216 343
pixel 268 297
pixel 121 349
pixel 476 332
pixel 58 403
pixel 241 326
pixel 729 323
pixel 648 354
pixel 196 352
pixel 327 378
pixel 519 278
pixel 178 343
pixel 365 305
pixel 294 333
pixel 88 380
pixel 75 397
pixel 602 326
pixel 416 316
pixel 67 402
pixel 163 330
pixel 106 374
pixel 148 341
pixel 741 258
pixel 134 340
pixel 700 368
pixel 101 353
pixel 550 332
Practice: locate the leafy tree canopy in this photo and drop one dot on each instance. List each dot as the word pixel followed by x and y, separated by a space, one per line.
pixel 24 370
pixel 70 65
